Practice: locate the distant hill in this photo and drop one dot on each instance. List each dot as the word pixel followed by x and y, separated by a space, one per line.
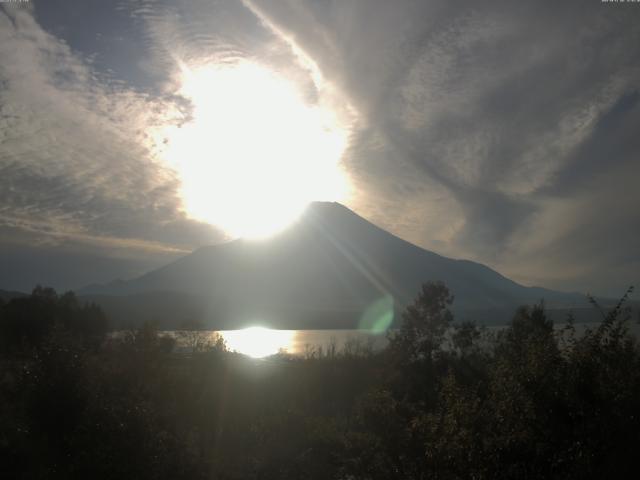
pixel 7 295
pixel 324 271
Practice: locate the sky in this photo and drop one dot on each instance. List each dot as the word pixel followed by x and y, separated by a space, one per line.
pixel 497 131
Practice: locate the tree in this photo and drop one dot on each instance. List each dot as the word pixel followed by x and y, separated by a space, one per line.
pixel 29 321
pixel 193 336
pixel 424 325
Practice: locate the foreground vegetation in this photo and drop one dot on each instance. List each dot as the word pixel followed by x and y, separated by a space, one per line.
pixel 443 400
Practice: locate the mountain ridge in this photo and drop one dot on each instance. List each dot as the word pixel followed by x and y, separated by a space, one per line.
pixel 331 260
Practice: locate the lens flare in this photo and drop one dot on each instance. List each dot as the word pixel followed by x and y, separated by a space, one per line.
pixel 379 316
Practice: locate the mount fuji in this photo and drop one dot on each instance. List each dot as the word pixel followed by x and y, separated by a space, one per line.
pixel 324 271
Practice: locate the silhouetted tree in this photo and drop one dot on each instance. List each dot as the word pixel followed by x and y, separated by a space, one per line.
pixel 424 325
pixel 444 401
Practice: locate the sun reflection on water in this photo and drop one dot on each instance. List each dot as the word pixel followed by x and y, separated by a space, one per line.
pixel 258 342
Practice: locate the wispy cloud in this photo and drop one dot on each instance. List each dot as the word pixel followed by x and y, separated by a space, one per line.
pixel 479 118
pixel 76 158
pixel 501 132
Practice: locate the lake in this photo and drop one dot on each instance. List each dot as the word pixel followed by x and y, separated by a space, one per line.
pixel 261 342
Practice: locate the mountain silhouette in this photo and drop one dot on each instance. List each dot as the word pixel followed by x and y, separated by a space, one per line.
pixel 6 295
pixel 324 271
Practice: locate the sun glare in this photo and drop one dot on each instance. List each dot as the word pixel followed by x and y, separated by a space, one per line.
pixel 254 153
pixel 258 342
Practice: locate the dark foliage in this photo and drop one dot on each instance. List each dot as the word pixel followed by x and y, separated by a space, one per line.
pixel 444 400
pixel 27 322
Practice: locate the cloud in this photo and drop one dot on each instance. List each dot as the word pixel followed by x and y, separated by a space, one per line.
pixel 80 162
pixel 501 132
pixel 482 122
pixel 77 160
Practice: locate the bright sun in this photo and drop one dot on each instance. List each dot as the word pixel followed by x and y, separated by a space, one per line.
pixel 254 153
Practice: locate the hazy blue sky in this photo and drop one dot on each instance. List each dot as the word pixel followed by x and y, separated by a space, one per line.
pixel 499 131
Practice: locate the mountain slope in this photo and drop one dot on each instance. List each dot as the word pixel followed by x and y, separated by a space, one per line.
pixel 6 295
pixel 323 271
